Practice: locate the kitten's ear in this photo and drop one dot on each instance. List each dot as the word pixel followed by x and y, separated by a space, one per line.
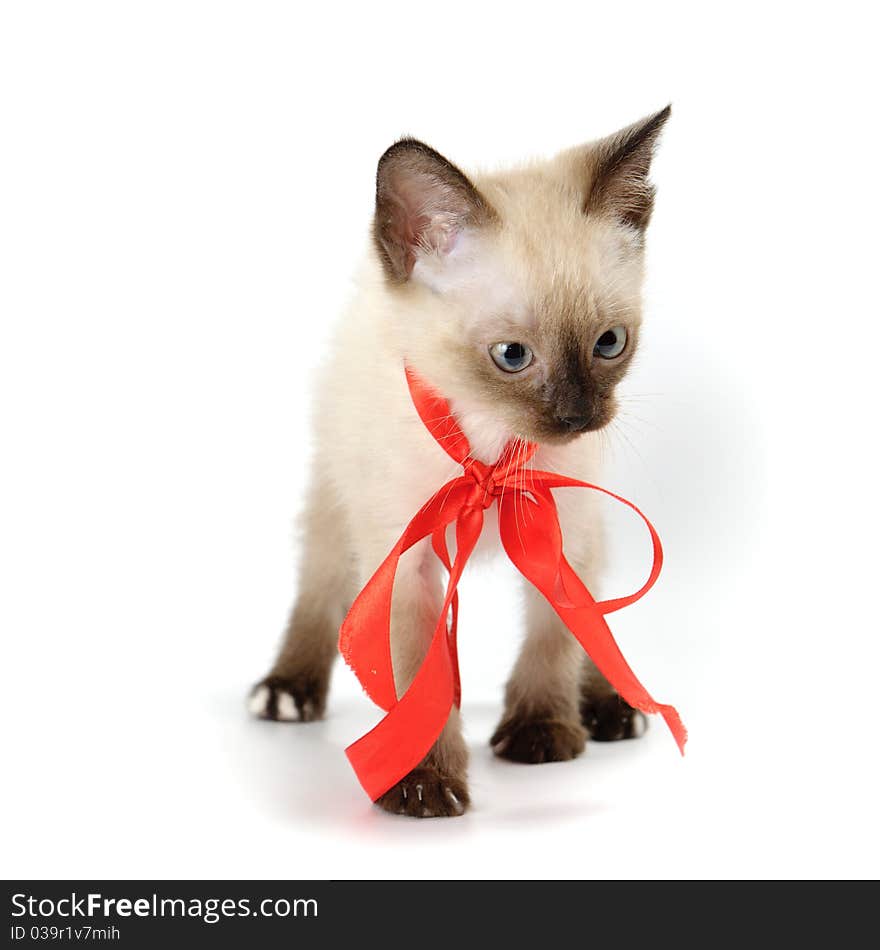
pixel 618 169
pixel 423 202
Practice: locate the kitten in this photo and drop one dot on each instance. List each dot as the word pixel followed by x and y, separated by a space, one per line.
pixel 517 296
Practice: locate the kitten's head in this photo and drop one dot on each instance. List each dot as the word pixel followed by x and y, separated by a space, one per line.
pixel 520 292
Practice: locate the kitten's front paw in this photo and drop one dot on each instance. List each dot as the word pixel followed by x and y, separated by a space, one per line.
pixel 608 718
pixel 538 740
pixel 426 793
pixel 289 699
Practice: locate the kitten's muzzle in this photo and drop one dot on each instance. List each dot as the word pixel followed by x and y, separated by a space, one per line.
pixel 574 423
pixel 561 429
pixel 572 408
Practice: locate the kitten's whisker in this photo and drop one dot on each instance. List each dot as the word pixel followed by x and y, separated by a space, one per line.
pixel 525 505
pixel 531 471
pixel 603 446
pixel 629 416
pixel 449 488
pixel 449 435
pixel 516 493
pixel 617 426
pixel 520 444
pixel 501 502
pixel 451 477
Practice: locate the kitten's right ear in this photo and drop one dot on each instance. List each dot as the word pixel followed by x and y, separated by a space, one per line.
pixel 617 170
pixel 423 202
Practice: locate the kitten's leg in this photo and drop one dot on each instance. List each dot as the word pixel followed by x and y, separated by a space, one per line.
pixel 437 787
pixel 555 696
pixel 296 688
pixel 605 715
pixel 541 721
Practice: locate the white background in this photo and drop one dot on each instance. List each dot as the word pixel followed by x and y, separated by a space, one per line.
pixel 184 191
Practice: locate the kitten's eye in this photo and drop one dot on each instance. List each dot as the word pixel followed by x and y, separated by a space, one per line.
pixel 611 344
pixel 511 357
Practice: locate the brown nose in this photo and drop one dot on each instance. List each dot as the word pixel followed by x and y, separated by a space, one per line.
pixel 574 423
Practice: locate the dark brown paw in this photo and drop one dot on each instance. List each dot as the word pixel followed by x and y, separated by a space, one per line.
pixel 426 793
pixel 608 718
pixel 538 740
pixel 299 698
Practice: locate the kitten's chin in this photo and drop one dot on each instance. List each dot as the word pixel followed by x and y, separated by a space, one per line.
pixel 555 435
pixel 555 438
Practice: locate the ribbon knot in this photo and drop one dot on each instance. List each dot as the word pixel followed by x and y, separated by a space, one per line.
pixel 415 720
pixel 485 487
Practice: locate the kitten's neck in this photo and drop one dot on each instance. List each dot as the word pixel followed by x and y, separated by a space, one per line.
pixel 485 434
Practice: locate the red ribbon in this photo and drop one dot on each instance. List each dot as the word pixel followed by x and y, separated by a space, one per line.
pixel 530 533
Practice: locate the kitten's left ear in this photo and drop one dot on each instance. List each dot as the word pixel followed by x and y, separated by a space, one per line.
pixel 423 202
pixel 617 172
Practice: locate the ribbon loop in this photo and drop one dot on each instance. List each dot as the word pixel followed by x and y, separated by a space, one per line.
pixel 531 536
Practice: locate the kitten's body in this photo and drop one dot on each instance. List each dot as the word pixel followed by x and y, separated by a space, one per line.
pixel 553 254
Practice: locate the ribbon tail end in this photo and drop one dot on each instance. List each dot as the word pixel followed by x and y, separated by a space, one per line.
pixel 676 726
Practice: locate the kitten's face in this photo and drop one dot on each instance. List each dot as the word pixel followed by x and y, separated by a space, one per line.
pixel 522 289
pixel 537 321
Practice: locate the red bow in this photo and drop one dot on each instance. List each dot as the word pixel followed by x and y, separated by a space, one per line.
pixel 533 541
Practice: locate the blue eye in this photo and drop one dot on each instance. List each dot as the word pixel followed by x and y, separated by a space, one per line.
pixel 511 357
pixel 611 344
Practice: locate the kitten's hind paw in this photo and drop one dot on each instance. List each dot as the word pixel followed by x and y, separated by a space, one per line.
pixel 533 741
pixel 609 718
pixel 426 793
pixel 288 699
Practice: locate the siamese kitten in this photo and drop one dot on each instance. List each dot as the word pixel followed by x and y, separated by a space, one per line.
pixel 516 295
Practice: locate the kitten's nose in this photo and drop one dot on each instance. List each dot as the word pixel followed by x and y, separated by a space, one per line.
pixel 575 423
